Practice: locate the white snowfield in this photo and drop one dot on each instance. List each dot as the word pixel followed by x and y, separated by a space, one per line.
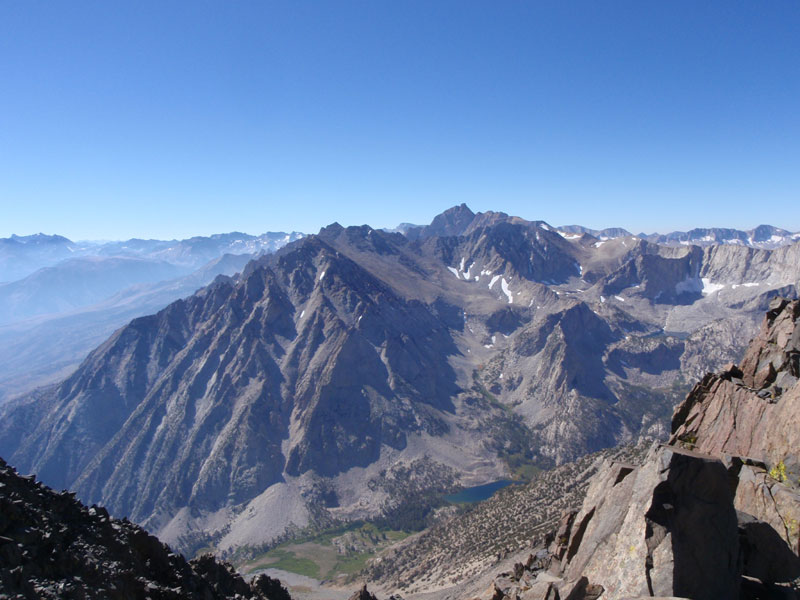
pixel 507 291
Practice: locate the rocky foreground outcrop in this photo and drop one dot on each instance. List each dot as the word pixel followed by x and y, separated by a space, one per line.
pixel 711 515
pixel 52 546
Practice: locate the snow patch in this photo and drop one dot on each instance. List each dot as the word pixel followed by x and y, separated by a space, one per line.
pixel 454 271
pixel 710 288
pixel 321 275
pixel 602 298
pixel 507 291
pixel 749 284
pixel 493 281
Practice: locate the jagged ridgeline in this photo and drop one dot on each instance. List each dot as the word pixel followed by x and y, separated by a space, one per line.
pixel 358 371
pixel 52 546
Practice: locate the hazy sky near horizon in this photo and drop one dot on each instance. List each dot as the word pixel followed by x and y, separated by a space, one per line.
pixel 173 119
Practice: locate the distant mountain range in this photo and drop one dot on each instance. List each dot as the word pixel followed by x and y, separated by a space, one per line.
pixel 356 373
pixel 20 256
pixel 763 236
pixel 71 296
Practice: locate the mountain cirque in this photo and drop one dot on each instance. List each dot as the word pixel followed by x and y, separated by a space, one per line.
pixel 711 515
pixel 356 368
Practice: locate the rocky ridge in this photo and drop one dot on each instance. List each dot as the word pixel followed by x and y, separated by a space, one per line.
pixel 457 219
pixel 52 546
pixel 60 299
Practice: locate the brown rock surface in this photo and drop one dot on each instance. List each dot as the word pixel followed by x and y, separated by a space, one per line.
pixel 752 410
pixel 665 528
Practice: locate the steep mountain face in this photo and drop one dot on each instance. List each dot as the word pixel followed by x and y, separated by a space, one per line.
pixel 293 393
pixel 55 547
pixel 64 298
pixel 306 365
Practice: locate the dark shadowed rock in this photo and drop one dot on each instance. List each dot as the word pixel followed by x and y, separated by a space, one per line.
pixel 51 546
pixel 666 528
pixel 363 594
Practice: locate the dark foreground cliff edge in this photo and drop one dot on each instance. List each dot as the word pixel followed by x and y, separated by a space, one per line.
pixel 52 546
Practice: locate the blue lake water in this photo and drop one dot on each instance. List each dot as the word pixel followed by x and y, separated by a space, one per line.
pixel 478 492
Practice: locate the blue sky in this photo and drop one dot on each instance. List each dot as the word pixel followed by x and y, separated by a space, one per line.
pixel 171 119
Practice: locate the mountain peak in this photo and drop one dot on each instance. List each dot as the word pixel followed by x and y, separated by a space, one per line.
pixel 452 222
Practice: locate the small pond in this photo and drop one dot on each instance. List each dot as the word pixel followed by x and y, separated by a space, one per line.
pixel 478 492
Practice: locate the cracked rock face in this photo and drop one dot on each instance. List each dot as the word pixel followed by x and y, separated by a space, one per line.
pixel 751 410
pixel 666 528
